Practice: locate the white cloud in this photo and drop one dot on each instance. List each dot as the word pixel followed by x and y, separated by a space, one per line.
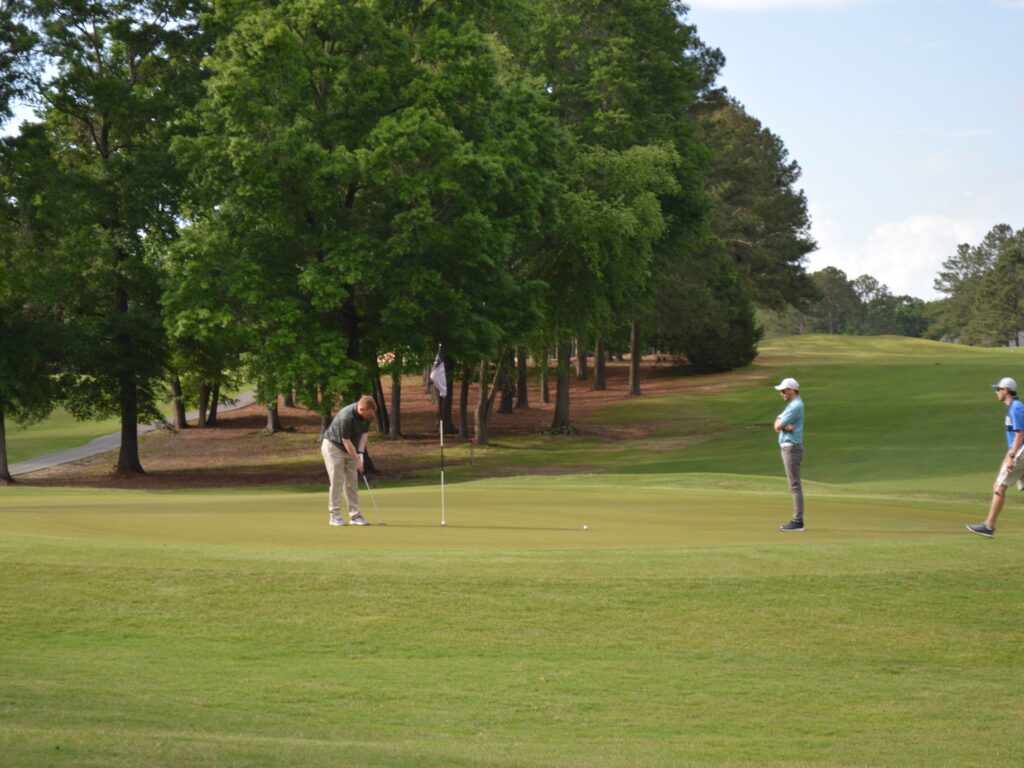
pixel 904 255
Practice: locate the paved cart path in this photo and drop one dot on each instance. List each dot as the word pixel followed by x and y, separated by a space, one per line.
pixel 108 442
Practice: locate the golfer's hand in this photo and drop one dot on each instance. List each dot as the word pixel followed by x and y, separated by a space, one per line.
pixel 359 464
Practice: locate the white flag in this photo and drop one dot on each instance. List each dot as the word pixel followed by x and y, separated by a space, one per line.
pixel 437 375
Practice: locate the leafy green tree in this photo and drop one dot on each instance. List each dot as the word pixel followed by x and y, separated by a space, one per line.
pixel 35 285
pixel 17 64
pixel 758 212
pixel 701 316
pixel 910 316
pixel 372 165
pixel 874 301
pixel 998 317
pixel 962 279
pixel 622 77
pixel 123 72
pixel 838 311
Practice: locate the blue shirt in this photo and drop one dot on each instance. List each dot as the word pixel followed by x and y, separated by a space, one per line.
pixel 1014 420
pixel 793 414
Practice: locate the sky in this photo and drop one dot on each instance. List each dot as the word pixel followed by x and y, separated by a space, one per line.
pixel 906 116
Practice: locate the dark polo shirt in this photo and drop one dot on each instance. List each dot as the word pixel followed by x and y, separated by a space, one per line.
pixel 348 425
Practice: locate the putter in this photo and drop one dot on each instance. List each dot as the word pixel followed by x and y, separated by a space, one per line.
pixel 373 501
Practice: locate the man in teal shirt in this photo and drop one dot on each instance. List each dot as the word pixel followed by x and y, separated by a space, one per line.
pixel 790 426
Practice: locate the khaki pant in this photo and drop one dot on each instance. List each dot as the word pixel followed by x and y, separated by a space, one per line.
pixel 341 469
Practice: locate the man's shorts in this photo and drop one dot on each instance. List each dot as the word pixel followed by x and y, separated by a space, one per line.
pixel 1008 477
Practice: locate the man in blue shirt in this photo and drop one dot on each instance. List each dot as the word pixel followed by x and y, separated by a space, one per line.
pixel 790 426
pixel 1012 468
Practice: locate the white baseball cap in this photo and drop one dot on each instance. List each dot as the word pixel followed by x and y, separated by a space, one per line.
pixel 1006 383
pixel 788 384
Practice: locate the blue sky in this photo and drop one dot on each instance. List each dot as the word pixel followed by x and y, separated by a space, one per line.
pixel 906 116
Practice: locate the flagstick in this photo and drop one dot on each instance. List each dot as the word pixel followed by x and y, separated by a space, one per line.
pixel 442 462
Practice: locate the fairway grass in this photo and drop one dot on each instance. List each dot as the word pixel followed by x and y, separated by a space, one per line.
pixel 236 628
pixel 682 628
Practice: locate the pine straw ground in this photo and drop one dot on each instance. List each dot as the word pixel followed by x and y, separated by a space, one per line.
pixel 238 452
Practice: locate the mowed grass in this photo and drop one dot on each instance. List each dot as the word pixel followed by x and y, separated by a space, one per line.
pixel 55 433
pixel 681 628
pixel 59 431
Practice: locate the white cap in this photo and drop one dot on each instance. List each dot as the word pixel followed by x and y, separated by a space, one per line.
pixel 1006 383
pixel 788 384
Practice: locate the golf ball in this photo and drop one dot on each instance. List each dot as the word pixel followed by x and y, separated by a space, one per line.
pixel 443 523
pixel 586 527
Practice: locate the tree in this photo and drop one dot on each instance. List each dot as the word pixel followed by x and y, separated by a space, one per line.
pixel 700 315
pixel 837 311
pixel 758 213
pixel 875 306
pixel 910 316
pixel 999 315
pixel 961 279
pixel 373 166
pixel 34 285
pixel 622 77
pixel 124 71
pixel 17 64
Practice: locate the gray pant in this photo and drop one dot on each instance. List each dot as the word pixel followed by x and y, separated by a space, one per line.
pixel 792 455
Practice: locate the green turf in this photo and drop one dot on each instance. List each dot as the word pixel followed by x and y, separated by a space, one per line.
pixel 55 433
pixel 681 629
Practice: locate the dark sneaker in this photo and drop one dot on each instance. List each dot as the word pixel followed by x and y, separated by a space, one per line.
pixel 792 525
pixel 982 530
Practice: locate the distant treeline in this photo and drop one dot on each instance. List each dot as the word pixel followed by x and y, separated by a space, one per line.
pixel 983 304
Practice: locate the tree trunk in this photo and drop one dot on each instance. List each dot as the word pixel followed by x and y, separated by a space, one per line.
pixel 600 380
pixel 395 423
pixel 273 419
pixel 5 470
pixel 211 420
pixel 128 457
pixel 204 402
pixel 581 360
pixel 545 386
pixel 482 416
pixel 561 424
pixel 522 384
pixel 180 422
pixel 464 401
pixel 383 422
pixel 634 359
pixel 289 398
pixel 508 382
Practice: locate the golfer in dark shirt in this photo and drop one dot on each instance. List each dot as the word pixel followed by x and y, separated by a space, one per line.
pixel 343 447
